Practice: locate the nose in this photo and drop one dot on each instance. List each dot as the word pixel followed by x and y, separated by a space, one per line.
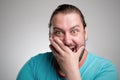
pixel 67 39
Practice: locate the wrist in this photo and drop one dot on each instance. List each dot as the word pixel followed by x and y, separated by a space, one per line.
pixel 74 75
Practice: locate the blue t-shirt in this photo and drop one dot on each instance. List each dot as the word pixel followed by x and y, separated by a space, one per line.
pixel 41 67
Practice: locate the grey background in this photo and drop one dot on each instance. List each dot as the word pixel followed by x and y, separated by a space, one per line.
pixel 24 30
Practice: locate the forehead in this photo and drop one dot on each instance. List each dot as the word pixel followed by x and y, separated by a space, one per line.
pixel 68 20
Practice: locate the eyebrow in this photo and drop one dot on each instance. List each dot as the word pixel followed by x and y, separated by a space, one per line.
pixel 74 27
pixel 57 28
pixel 63 30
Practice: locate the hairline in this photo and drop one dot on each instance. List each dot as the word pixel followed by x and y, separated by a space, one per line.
pixel 65 13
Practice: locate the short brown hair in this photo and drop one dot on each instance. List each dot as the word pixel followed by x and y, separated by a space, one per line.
pixel 67 8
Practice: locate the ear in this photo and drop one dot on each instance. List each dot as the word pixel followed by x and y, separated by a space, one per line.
pixel 50 31
pixel 86 34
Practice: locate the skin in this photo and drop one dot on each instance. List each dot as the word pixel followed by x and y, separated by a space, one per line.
pixel 67 38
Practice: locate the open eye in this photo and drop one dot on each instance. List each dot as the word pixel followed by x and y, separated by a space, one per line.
pixel 58 33
pixel 74 31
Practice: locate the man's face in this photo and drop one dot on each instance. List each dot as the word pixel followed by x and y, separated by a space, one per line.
pixel 69 29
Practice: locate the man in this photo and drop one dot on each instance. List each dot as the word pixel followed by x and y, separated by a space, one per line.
pixel 69 60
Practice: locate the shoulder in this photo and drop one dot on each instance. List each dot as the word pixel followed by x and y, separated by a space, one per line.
pixel 39 61
pixel 104 68
pixel 95 58
pixel 40 58
pixel 100 61
pixel 42 55
pixel 47 56
pixel 35 65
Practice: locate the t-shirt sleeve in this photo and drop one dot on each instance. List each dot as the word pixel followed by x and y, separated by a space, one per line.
pixel 108 72
pixel 26 72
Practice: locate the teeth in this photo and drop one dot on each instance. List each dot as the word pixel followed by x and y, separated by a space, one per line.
pixel 72 49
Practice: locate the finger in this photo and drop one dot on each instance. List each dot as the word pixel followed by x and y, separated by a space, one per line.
pixel 81 52
pixel 55 53
pixel 56 46
pixel 61 45
pixel 53 49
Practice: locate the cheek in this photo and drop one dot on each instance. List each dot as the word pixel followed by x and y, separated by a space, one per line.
pixel 79 40
pixel 61 38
